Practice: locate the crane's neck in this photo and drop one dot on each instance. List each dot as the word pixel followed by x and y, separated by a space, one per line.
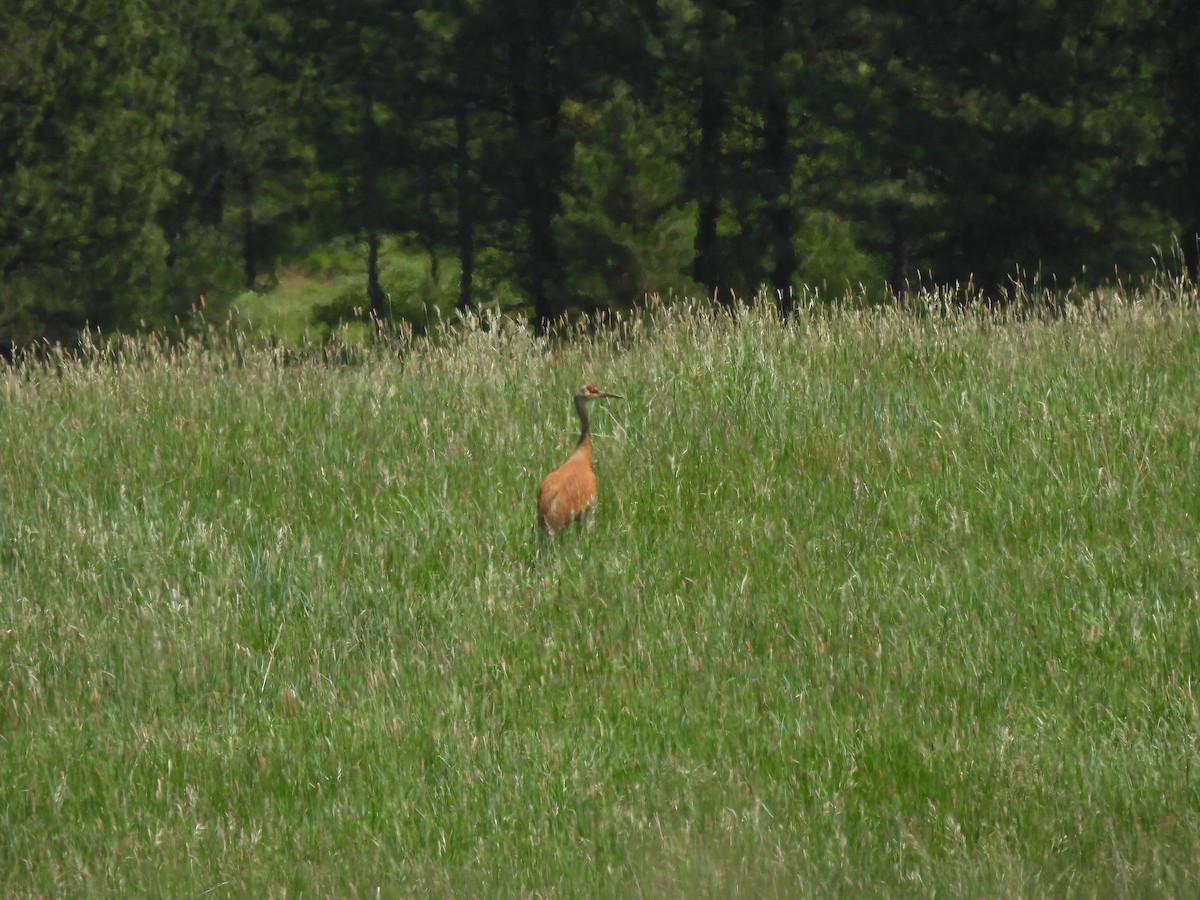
pixel 584 430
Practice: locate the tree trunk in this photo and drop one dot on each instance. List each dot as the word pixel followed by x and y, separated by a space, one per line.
pixel 249 237
pixel 543 262
pixel 781 217
pixel 429 233
pixel 210 210
pixel 466 221
pixel 710 121
pixel 1190 240
pixel 370 203
pixel 900 252
pixel 779 159
pixel 536 118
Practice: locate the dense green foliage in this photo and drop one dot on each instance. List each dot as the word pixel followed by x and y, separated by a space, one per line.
pixel 873 603
pixel 582 155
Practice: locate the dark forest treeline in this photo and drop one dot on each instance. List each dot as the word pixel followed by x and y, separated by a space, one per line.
pixel 585 153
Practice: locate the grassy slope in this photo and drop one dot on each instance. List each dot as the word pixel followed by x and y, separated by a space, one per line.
pixel 871 603
pixel 326 292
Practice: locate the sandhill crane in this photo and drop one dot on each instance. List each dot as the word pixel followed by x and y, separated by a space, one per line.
pixel 569 491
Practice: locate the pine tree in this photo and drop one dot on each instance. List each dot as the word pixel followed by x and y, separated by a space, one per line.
pixel 86 97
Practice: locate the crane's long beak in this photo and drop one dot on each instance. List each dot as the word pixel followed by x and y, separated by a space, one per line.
pixel 613 396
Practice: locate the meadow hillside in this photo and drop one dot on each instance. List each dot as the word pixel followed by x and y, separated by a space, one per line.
pixel 874 602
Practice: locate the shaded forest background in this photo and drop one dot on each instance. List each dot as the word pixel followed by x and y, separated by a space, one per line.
pixel 558 156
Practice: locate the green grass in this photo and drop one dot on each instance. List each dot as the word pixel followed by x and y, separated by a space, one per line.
pixel 324 295
pixel 873 603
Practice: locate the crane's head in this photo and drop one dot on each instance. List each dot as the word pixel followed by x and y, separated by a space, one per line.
pixel 589 392
pixel 582 396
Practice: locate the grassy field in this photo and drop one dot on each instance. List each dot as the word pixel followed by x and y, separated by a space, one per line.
pixel 873 603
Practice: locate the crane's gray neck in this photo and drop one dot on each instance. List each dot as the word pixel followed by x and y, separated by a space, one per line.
pixel 581 408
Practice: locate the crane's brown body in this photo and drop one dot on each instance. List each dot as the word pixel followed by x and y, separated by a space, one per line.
pixel 569 491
